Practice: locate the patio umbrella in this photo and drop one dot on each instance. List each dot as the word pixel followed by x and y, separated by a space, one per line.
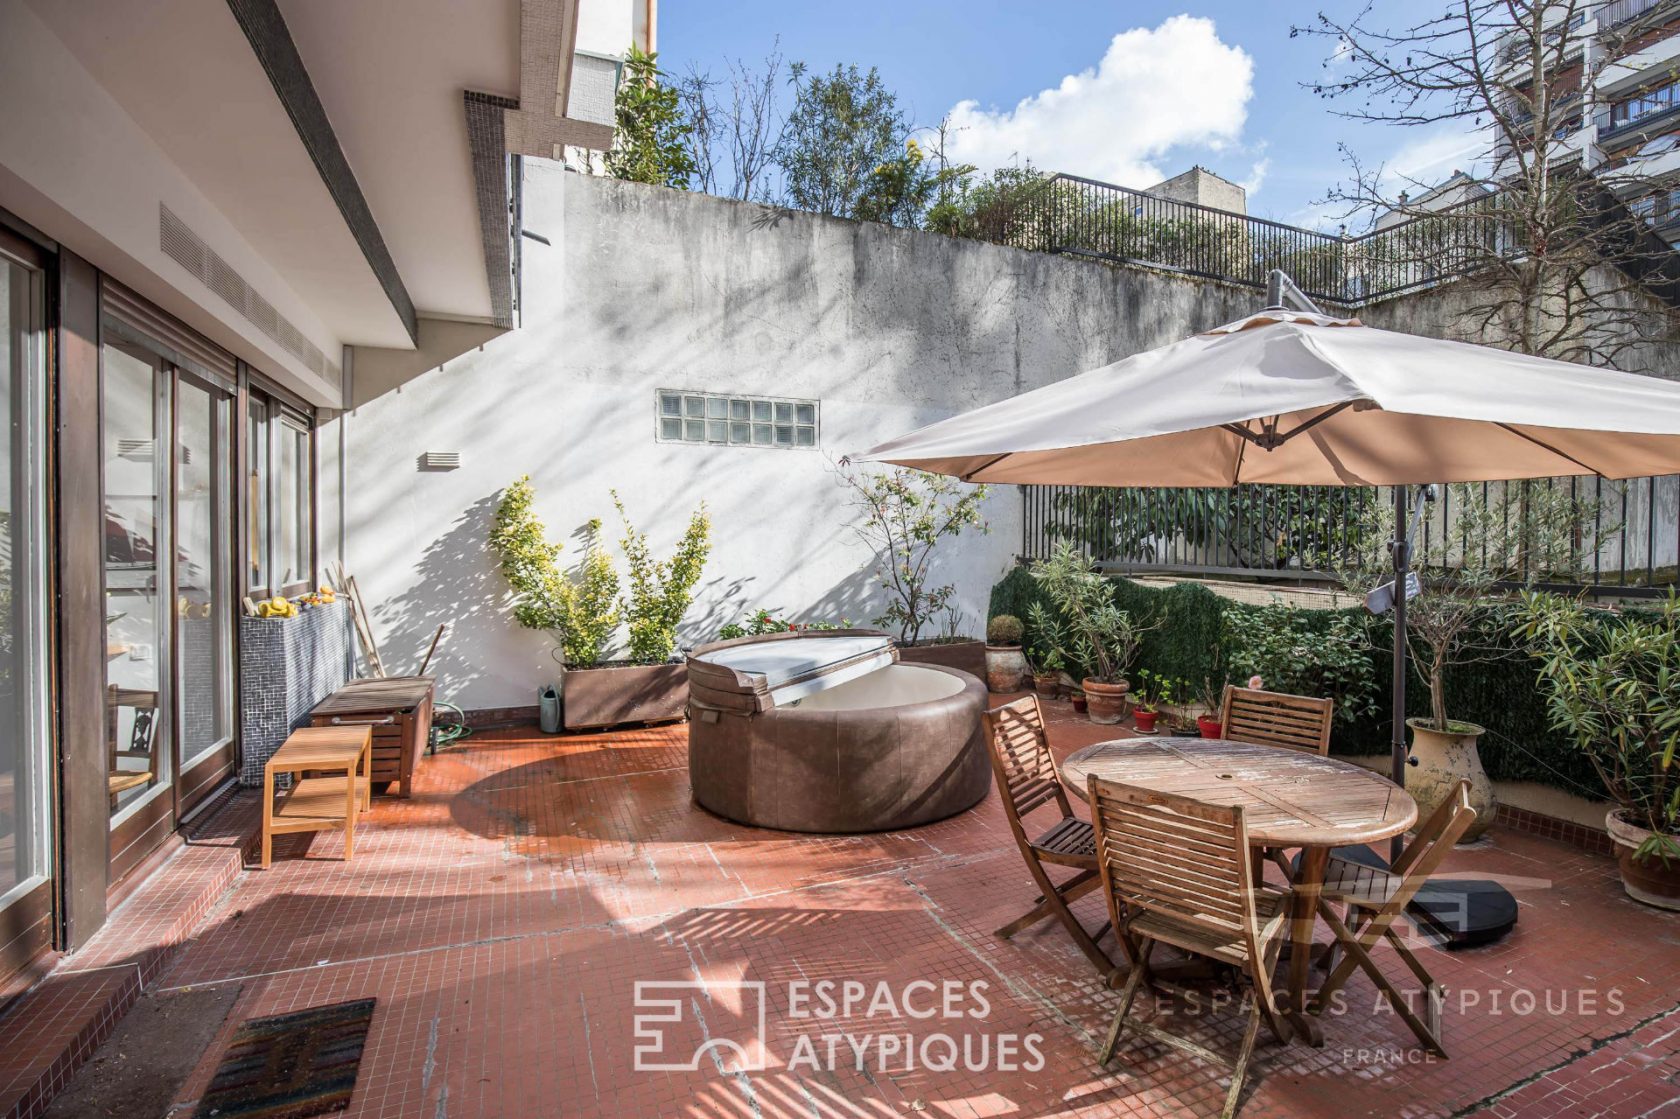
pixel 1298 397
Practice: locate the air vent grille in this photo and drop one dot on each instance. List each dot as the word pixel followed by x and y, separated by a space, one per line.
pixel 190 251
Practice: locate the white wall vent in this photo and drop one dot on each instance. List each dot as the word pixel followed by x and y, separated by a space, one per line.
pixel 440 460
pixel 138 449
pixel 190 251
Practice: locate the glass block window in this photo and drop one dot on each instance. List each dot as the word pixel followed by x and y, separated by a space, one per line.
pixel 742 421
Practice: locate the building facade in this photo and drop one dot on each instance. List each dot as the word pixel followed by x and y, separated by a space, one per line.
pixel 206 207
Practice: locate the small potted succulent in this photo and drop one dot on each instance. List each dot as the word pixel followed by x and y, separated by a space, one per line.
pixel 1006 662
pixel 1609 685
pixel 1146 700
pixel 1102 637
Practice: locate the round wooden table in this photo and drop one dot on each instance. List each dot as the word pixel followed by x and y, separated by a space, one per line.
pixel 1289 799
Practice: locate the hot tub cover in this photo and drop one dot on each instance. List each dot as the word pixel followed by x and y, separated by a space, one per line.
pixel 757 673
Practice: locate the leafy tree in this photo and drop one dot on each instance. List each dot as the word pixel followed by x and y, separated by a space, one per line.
pixel 904 189
pixel 661 589
pixel 650 144
pixel 579 610
pixel 905 514
pixel 843 127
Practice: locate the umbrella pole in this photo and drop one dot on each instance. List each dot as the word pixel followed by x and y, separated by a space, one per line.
pixel 1401 548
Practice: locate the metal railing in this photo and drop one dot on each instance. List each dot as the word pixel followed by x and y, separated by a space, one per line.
pixel 1625 542
pixel 1082 217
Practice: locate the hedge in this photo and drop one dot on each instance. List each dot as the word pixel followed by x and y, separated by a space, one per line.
pixel 1499 690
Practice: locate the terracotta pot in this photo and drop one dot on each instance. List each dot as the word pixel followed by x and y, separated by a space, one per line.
pixel 1646 880
pixel 1047 684
pixel 1210 726
pixel 1106 703
pixel 1006 668
pixel 1078 698
pixel 1145 720
pixel 1444 758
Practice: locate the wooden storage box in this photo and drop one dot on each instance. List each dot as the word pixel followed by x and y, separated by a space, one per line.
pixel 399 712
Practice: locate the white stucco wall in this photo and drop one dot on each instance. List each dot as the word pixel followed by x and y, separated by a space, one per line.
pixel 643 288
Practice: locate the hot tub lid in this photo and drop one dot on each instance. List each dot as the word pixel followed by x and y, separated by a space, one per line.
pixel 777 669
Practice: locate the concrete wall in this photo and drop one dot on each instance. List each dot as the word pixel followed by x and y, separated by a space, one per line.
pixel 642 289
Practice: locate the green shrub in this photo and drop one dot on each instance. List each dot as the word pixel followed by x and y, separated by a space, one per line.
pixel 1005 629
pixel 1279 644
pixel 661 590
pixel 579 610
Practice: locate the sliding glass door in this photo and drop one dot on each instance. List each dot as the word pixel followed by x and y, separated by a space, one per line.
pixel 204 612
pixel 25 740
pixel 169 576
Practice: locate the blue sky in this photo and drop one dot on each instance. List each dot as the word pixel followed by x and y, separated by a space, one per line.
pixel 1214 82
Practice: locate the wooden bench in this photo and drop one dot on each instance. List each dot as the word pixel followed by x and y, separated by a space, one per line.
pixel 330 787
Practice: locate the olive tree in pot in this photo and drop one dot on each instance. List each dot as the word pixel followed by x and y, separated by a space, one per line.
pixel 904 514
pixel 1099 635
pixel 578 608
pixel 1612 684
pixel 1501 534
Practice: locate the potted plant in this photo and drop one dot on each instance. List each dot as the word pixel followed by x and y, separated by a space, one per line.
pixel 1500 534
pixel 1610 685
pixel 1211 697
pixel 578 608
pixel 1174 704
pixel 1006 663
pixel 1146 700
pixel 584 609
pixel 903 516
pixel 1047 676
pixel 1103 637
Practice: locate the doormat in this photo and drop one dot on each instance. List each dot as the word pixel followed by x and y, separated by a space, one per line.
pixel 290 1066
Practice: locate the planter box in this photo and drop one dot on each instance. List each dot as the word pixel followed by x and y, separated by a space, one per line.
pixel 638 693
pixel 968 656
pixel 286 667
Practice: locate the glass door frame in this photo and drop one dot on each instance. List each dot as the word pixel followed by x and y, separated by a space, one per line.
pixel 28 921
pixel 195 783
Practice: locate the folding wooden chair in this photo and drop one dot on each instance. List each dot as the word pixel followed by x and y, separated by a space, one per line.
pixel 1375 898
pixel 1295 722
pixel 1178 871
pixel 1027 780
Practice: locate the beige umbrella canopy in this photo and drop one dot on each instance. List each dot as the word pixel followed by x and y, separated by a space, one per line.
pixel 1296 398
pixel 1300 398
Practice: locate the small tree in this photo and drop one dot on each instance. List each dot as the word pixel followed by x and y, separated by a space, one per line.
pixel 579 610
pixel 737 127
pixel 1101 636
pixel 650 143
pixel 904 515
pixel 661 590
pixel 1500 535
pixel 843 126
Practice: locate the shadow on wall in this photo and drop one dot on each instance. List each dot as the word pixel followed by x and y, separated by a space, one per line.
pixel 457 580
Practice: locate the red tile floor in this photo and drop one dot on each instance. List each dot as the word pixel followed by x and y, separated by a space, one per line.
pixel 504 917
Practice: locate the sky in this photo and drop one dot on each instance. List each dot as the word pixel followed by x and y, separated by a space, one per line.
pixel 1126 92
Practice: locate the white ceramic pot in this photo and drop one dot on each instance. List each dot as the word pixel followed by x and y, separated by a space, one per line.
pixel 1007 669
pixel 1444 758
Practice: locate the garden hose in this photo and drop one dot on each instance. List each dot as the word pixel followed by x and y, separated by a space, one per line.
pixel 447 735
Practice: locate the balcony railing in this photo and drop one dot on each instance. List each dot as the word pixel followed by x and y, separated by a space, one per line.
pixel 1620 11
pixel 1083 217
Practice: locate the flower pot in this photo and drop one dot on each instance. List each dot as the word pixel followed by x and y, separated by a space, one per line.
pixel 1106 703
pixel 1210 726
pixel 1145 720
pixel 635 693
pixel 1006 668
pixel 1047 684
pixel 1444 758
pixel 1078 698
pixel 1647 880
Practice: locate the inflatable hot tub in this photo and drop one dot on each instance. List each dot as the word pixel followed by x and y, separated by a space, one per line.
pixel 827 732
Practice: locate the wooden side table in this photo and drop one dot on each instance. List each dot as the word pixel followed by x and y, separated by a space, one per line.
pixel 339 760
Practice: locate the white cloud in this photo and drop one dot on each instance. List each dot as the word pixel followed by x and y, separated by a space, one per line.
pixel 1155 91
pixel 1256 176
pixel 1435 155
